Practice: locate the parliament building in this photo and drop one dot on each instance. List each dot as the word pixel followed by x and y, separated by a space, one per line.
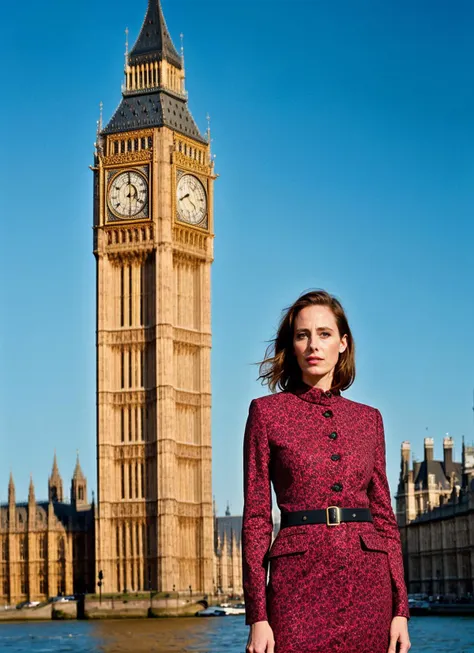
pixel 435 512
pixel 47 547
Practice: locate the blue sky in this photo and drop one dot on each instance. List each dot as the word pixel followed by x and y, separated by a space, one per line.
pixel 344 140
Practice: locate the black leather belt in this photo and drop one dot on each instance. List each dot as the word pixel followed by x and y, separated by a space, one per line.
pixel 331 516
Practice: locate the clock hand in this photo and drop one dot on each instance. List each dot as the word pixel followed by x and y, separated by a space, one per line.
pixel 184 197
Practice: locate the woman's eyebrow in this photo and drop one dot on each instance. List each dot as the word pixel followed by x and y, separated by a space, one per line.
pixel 323 328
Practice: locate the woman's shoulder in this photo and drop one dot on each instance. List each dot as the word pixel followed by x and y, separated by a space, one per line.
pixel 269 401
pixel 359 407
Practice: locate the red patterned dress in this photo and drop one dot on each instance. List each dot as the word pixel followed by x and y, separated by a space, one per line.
pixel 331 589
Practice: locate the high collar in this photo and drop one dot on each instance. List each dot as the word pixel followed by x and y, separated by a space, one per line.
pixel 316 395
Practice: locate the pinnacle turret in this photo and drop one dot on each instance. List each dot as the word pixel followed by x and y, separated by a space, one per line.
pixel 31 491
pixel 78 474
pixel 11 490
pixel 55 483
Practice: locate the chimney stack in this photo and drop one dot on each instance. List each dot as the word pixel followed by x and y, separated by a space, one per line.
pixel 448 445
pixel 429 449
pixel 406 450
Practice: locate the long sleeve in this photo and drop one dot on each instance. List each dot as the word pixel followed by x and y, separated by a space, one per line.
pixel 386 523
pixel 257 524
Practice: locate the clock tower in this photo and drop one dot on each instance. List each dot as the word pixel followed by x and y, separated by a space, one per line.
pixel 153 243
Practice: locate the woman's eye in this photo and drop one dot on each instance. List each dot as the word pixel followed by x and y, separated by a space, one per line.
pixel 325 333
pixel 301 335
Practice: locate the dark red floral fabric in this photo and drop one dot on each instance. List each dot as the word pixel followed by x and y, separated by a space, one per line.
pixel 322 588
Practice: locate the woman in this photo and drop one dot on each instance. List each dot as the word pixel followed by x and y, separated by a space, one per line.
pixel 336 582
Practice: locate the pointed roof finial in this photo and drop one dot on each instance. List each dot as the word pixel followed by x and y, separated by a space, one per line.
pixel 55 470
pixel 209 139
pixel 11 489
pixel 126 45
pixel 227 510
pixel 101 107
pixel 31 490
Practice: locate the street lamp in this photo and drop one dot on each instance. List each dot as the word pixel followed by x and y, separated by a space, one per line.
pixel 100 583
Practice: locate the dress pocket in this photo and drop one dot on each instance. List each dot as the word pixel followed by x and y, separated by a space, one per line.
pixel 286 544
pixel 289 559
pixel 373 542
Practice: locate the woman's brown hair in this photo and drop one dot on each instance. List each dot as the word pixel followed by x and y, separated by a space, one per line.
pixel 280 369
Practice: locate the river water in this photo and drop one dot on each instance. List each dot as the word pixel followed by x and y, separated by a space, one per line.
pixel 197 635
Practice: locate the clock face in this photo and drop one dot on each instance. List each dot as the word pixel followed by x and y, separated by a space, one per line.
pixel 191 200
pixel 128 194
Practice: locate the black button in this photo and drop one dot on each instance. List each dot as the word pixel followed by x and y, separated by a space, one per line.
pixel 328 413
pixel 333 435
pixel 337 487
pixel 335 456
pixel 328 393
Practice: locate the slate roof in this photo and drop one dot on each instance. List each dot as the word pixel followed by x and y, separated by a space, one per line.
pixel 66 513
pixel 154 41
pixel 441 474
pixel 229 525
pixel 153 109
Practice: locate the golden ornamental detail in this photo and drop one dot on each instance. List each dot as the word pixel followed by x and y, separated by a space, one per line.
pixel 186 162
pixel 142 156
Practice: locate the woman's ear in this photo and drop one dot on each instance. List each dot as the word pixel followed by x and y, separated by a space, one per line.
pixel 343 345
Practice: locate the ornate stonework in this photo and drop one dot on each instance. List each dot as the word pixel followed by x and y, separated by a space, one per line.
pixel 154 522
pixel 47 547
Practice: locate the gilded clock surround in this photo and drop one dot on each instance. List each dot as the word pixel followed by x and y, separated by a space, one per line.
pixel 115 173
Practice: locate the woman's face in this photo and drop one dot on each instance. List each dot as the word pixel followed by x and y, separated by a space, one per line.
pixel 317 345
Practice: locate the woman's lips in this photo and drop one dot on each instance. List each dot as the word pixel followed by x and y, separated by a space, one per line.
pixel 314 360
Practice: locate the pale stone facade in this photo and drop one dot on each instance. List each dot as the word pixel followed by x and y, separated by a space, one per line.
pixel 435 512
pixel 153 243
pixel 47 547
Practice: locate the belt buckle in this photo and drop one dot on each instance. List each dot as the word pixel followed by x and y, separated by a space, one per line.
pixel 338 516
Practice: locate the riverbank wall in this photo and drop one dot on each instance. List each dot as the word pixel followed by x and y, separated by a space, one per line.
pixel 113 607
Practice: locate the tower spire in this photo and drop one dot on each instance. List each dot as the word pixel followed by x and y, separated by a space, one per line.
pixel 153 92
pixel 154 41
